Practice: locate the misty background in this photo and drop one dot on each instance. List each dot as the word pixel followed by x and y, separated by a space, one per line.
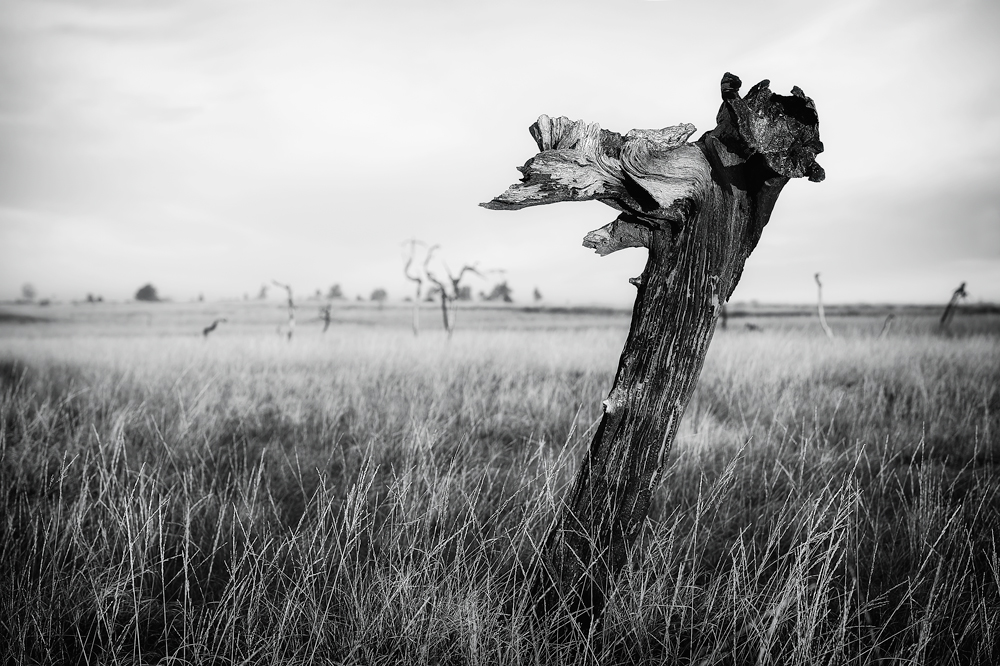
pixel 209 147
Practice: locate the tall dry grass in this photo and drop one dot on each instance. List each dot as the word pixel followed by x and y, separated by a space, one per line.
pixel 371 498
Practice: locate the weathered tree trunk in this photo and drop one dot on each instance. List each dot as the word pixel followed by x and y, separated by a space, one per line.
pixel 819 308
pixel 700 209
pixel 445 311
pixel 442 290
pixel 949 310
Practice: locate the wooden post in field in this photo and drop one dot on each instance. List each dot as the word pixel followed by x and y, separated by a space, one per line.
pixel 949 310
pixel 326 315
pixel 291 308
pixel 819 308
pixel 885 326
pixel 700 208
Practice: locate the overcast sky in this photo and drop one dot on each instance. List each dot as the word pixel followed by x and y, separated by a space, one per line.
pixel 208 146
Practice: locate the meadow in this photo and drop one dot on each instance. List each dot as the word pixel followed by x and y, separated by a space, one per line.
pixel 363 496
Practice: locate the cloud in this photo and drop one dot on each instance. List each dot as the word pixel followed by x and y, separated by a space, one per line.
pixel 313 137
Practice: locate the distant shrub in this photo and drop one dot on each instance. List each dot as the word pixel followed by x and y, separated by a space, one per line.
pixel 147 293
pixel 500 292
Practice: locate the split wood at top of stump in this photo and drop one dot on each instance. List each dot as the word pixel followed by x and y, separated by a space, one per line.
pixel 699 208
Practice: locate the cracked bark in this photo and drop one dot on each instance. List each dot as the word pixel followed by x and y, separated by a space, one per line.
pixel 699 208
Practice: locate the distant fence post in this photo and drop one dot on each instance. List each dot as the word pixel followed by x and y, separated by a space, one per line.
pixel 949 311
pixel 885 325
pixel 819 308
pixel 700 208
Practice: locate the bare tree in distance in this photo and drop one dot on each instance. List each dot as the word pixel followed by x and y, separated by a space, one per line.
pixel 28 292
pixel 440 290
pixel 262 294
pixel 335 293
pixel 447 297
pixel 147 293
pixel 416 278
pixel 700 209
pixel 949 310
pixel 819 308
pixel 537 295
pixel 211 327
pixel 291 308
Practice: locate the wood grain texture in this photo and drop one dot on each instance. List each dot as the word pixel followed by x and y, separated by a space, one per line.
pixel 700 208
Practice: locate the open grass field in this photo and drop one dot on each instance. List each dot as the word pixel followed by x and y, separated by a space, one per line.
pixel 365 497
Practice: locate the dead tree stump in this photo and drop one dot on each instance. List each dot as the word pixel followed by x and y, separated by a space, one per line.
pixel 700 208
pixel 949 310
